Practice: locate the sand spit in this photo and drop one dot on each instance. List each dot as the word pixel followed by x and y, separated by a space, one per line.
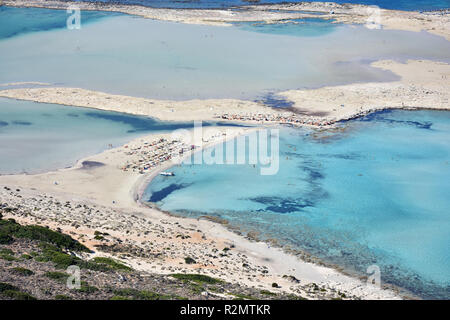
pixel 30 83
pixel 437 22
pixel 160 109
pixel 423 84
pixel 103 199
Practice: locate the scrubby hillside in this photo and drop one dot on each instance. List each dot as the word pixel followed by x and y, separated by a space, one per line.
pixel 34 260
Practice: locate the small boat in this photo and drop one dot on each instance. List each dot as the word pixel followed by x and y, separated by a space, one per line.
pixel 169 174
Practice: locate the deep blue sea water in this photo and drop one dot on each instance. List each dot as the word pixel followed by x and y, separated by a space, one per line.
pixel 409 5
pixel 376 191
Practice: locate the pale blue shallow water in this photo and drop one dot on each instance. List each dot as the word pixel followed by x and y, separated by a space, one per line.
pixel 18 21
pixel 310 27
pixel 139 57
pixel 410 5
pixel 37 137
pixel 378 192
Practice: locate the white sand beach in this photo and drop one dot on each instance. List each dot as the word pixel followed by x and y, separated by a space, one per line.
pixel 103 198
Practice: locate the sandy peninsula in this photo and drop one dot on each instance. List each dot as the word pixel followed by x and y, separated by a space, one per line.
pixel 423 85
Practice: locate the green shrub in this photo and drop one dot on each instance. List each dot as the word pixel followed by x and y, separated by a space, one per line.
pixel 295 297
pixel 18 295
pixel 22 271
pixel 86 288
pixel 119 298
pixel 63 260
pixel 126 292
pixel 6 286
pixel 267 293
pixel 7 254
pixel 12 229
pixel 62 297
pixel 149 295
pixel 196 288
pixel 60 259
pixel 199 278
pixel 134 294
pixel 10 291
pixel 58 276
pixel 5 239
pixel 6 251
pixel 189 260
pixel 113 264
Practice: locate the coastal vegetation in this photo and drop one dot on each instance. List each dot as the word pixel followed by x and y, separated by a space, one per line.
pixel 111 263
pixel 12 292
pixel 34 259
pixel 198 278
pixel 10 228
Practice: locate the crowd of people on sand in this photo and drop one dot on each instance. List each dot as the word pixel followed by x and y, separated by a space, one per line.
pixel 151 154
pixel 278 118
pixel 148 155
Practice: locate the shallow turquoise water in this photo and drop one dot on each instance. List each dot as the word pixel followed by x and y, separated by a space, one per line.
pixel 376 192
pixel 310 27
pixel 36 137
pixel 388 4
pixel 163 60
pixel 17 21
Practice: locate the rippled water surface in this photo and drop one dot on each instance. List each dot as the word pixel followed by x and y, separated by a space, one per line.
pixel 374 192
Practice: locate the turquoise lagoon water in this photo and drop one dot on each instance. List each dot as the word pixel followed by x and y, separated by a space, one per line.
pixel 140 57
pixel 17 21
pixel 36 137
pixel 388 4
pixel 376 191
pixel 309 27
